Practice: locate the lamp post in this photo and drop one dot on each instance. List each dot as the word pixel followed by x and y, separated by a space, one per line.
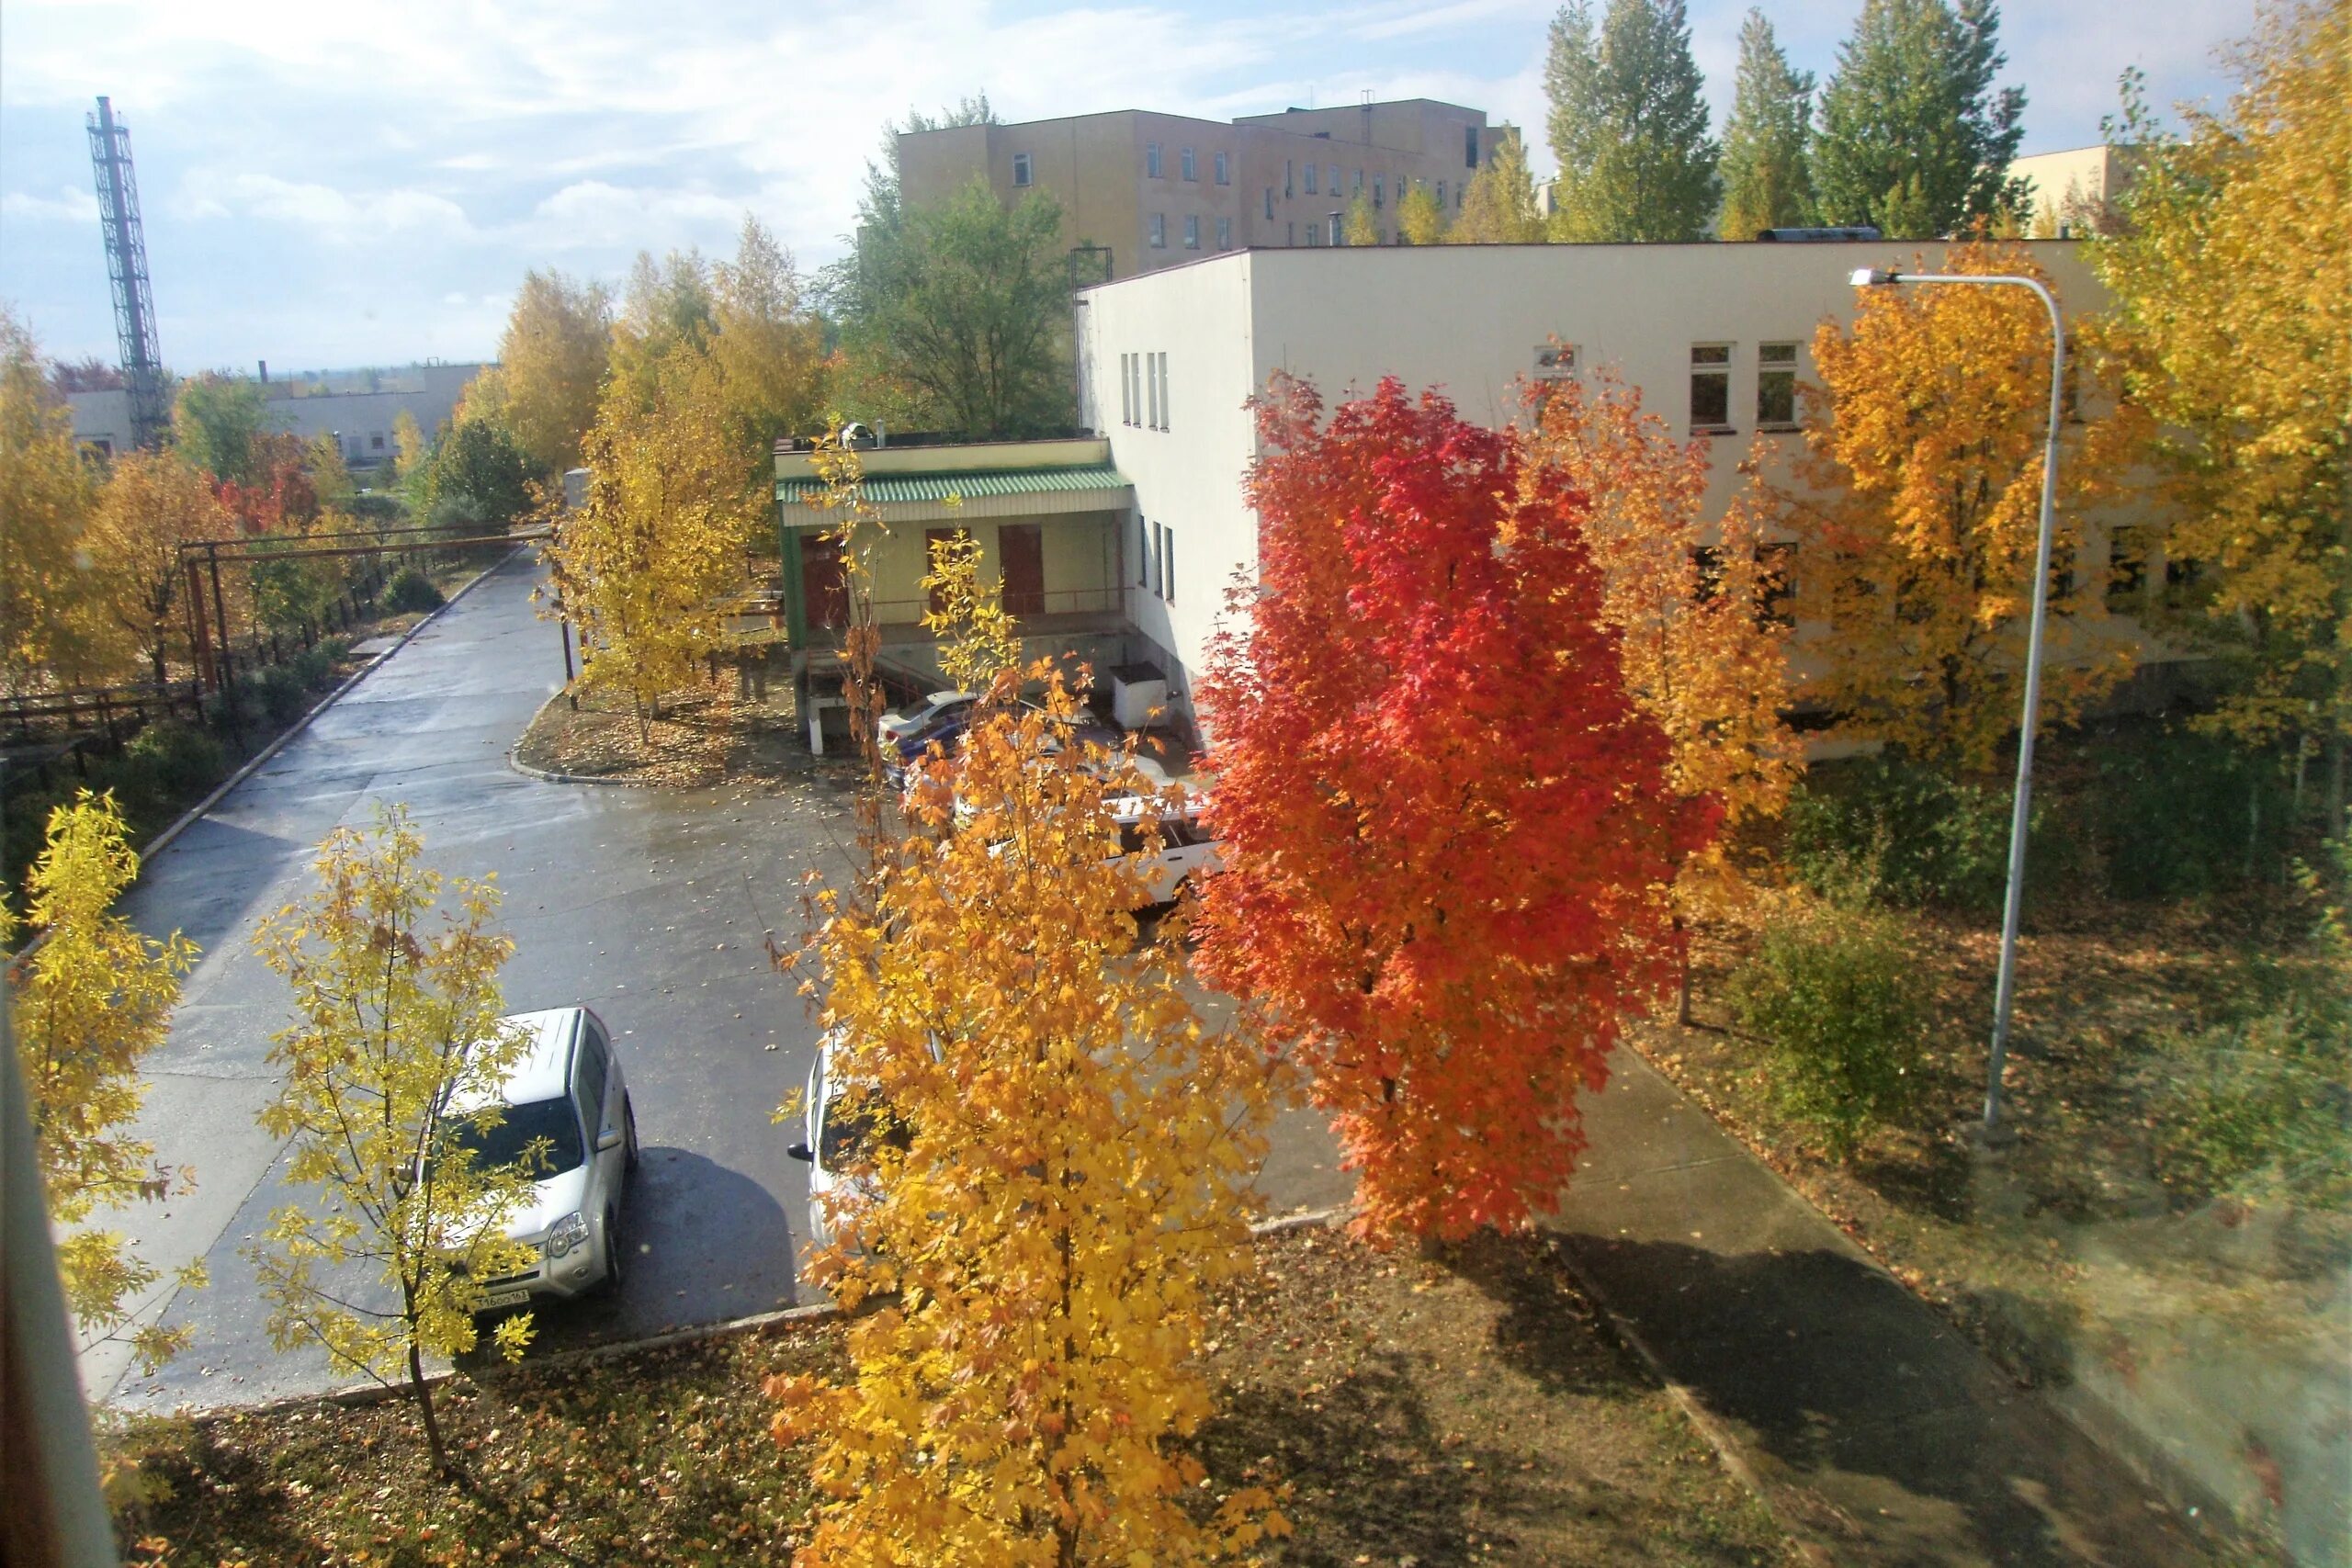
pixel 2005 991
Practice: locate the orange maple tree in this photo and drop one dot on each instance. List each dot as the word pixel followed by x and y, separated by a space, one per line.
pixel 1449 834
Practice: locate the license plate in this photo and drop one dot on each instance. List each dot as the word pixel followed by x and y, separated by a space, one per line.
pixel 493 1299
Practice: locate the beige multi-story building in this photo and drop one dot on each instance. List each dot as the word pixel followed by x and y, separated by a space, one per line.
pixel 1158 189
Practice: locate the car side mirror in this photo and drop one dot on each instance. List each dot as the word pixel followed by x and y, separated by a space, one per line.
pixel 802 1151
pixel 610 1138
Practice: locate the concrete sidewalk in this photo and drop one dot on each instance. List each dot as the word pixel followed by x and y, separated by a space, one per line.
pixel 1877 1431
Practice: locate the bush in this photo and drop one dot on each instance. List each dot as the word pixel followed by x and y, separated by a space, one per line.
pixel 1912 834
pixel 2177 814
pixel 182 761
pixel 2264 1109
pixel 312 667
pixel 283 694
pixel 410 590
pixel 1833 995
pixel 239 709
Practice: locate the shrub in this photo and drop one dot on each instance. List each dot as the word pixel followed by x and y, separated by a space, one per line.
pixel 283 694
pixel 1914 834
pixel 2262 1108
pixel 239 709
pixel 1833 995
pixel 410 590
pixel 182 760
pixel 312 667
pixel 2177 814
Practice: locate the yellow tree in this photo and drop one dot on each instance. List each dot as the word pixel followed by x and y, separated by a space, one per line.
pixel 1060 1191
pixel 1498 208
pixel 647 567
pixel 87 1005
pixel 1419 219
pixel 409 447
pixel 1920 503
pixel 551 358
pixel 2233 287
pixel 393 1070
pixel 770 346
pixel 1363 225
pixel 152 503
pixel 45 494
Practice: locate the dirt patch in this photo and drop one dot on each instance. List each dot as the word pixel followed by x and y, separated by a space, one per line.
pixel 1472 1410
pixel 705 736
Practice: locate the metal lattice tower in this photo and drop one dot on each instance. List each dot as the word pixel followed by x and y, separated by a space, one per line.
pixel 134 298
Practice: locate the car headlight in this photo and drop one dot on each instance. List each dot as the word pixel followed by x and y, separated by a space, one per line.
pixel 566 1234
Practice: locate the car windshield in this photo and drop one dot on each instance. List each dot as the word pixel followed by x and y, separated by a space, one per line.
pixel 848 1129
pixel 506 1144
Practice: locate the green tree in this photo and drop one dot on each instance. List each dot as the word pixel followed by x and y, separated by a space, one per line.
pixel 2234 292
pixel 479 461
pixel 551 360
pixel 1498 208
pixel 770 347
pixel 965 303
pixel 1767 184
pixel 667 303
pixel 1628 125
pixel 1419 219
pixel 1913 137
pixel 86 1007
pixel 45 496
pixel 218 422
pixel 393 1067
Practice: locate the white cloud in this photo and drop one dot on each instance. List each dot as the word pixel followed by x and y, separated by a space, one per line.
pixel 590 214
pixel 68 206
pixel 337 217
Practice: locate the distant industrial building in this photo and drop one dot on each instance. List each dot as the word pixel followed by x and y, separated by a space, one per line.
pixel 357 408
pixel 1158 189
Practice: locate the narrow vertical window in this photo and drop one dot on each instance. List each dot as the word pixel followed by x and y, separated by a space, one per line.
pixel 1225 168
pixel 1192 234
pixel 1151 160
pixel 1313 172
pixel 2127 570
pixel 1168 564
pixel 1289 173
pixel 1189 163
pixel 1021 169
pixel 1163 389
pixel 1126 390
pixel 1334 186
pixel 1469 146
pixel 1224 234
pixel 1709 386
pixel 1152 389
pixel 1159 230
pixel 1269 204
pixel 1379 192
pixel 1776 386
pixel 1143 552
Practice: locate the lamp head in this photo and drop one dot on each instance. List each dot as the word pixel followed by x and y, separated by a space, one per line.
pixel 1872 277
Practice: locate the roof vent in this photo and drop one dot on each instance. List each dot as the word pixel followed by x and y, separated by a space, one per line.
pixel 1817 236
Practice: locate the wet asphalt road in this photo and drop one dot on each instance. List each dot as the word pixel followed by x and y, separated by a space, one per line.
pixel 648 906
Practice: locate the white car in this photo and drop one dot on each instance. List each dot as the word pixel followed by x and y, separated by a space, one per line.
pixel 566 1088
pixel 1188 851
pixel 830 1144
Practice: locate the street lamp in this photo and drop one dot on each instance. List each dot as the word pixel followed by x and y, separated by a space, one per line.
pixel 2006 991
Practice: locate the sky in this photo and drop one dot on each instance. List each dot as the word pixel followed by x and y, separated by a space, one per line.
pixel 366 183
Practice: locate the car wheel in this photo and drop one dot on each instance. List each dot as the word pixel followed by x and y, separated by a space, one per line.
pixel 628 1121
pixel 610 1285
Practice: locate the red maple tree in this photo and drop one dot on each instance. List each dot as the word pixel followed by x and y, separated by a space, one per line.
pixel 1448 833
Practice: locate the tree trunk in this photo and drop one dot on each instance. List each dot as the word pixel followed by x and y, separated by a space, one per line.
pixel 423 1392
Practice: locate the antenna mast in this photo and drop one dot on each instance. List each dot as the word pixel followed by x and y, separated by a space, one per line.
pixel 134 298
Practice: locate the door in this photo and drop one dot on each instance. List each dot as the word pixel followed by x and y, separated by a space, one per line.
pixel 1022 548
pixel 824 589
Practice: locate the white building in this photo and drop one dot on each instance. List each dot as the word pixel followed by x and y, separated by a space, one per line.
pixel 1714 334
pixel 358 410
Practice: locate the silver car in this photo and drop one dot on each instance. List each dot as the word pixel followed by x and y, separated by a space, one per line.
pixel 567 1088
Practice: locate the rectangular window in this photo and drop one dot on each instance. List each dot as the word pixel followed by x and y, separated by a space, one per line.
pixel 1313 170
pixel 2127 570
pixel 1314 234
pixel 1189 162
pixel 1168 564
pixel 1151 572
pixel 1776 386
pixel 1269 204
pixel 1469 146
pixel 1021 170
pixel 1289 189
pixel 1159 230
pixel 1143 552
pixel 1224 234
pixel 1152 389
pixel 1290 233
pixel 1335 221
pixel 1151 160
pixel 2061 588
pixel 1334 186
pixel 1441 193
pixel 1192 234
pixel 1134 388
pixel 1359 182
pixel 375 444
pixel 1225 168
pixel 1164 390
pixel 1709 386
pixel 1126 393
pixel 1379 192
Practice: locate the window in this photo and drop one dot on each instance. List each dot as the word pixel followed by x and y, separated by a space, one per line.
pixel 1168 564
pixel 2127 570
pixel 1126 388
pixel 1776 386
pixel 1289 189
pixel 1151 561
pixel 1359 182
pixel 1163 362
pixel 1314 234
pixel 1022 174
pixel 1441 193
pixel 1290 233
pixel 375 444
pixel 1379 192
pixel 1460 192
pixel 1143 553
pixel 1707 564
pixel 588 1081
pixel 1709 386
pixel 1335 221
pixel 1225 168
pixel 1134 389
pixel 1469 146
pixel 1312 170
pixel 1159 230
pixel 1269 204
pixel 1151 160
pixel 1189 162
pixel 1192 234
pixel 1224 234
pixel 1776 571
pixel 1334 186
pixel 1555 361
pixel 2062 584
pixel 1152 389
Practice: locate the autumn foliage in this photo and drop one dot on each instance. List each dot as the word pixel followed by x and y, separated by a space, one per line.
pixel 1038 1245
pixel 1449 829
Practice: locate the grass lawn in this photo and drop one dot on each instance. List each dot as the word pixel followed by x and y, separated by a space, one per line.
pixel 1471 1409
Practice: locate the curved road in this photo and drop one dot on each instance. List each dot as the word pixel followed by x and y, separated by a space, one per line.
pixel 647 905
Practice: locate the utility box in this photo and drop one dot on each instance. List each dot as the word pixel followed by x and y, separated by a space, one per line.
pixel 1138 691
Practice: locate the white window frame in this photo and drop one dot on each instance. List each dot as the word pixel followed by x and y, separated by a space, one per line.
pixel 1225 168
pixel 1025 170
pixel 1151 161
pixel 1191 233
pixel 1337 187
pixel 1224 234
pixel 1127 389
pixel 1152 390
pixel 1710 367
pixel 1314 178
pixel 1159 230
pixel 1189 163
pixel 1777 359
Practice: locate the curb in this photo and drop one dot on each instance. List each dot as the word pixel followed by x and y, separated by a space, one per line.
pixel 187 818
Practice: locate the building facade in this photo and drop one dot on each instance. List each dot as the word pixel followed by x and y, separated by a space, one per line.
pixel 1715 335
pixel 2071 193
pixel 1156 189
pixel 358 411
